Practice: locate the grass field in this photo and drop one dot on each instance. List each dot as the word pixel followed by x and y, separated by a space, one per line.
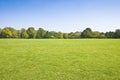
pixel 84 59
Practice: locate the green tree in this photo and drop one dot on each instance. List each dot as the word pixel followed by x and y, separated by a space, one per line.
pixel 87 33
pixel 47 35
pixel 60 35
pixel 117 33
pixel 0 33
pixel 31 32
pixel 19 33
pixel 102 35
pixel 109 34
pixel 24 33
pixel 71 35
pixel 95 34
pixel 53 34
pixel 41 33
pixel 65 35
pixel 9 32
pixel 77 35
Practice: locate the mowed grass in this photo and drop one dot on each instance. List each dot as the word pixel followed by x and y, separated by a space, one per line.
pixel 84 59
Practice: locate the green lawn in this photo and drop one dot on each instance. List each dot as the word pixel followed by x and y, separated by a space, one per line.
pixel 84 59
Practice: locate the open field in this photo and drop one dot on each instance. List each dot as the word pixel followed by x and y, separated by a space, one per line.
pixel 84 59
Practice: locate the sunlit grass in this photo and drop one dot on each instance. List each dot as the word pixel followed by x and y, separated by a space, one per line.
pixel 84 59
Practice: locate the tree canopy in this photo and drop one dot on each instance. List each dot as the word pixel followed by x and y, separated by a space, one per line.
pixel 31 33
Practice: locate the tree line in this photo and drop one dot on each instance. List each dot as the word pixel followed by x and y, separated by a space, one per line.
pixel 31 33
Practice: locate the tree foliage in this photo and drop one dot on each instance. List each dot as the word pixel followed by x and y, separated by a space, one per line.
pixel 65 35
pixel 109 34
pixel 24 33
pixel 0 33
pixel 41 33
pixel 117 33
pixel 87 33
pixel 9 32
pixel 31 33
pixel 60 35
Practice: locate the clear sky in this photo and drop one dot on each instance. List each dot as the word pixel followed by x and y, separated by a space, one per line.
pixel 61 15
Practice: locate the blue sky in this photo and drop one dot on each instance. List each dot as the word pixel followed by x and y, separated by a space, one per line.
pixel 61 15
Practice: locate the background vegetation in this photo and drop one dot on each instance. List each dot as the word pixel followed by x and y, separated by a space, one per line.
pixel 31 33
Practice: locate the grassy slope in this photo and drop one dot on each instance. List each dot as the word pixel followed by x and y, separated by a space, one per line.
pixel 60 59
